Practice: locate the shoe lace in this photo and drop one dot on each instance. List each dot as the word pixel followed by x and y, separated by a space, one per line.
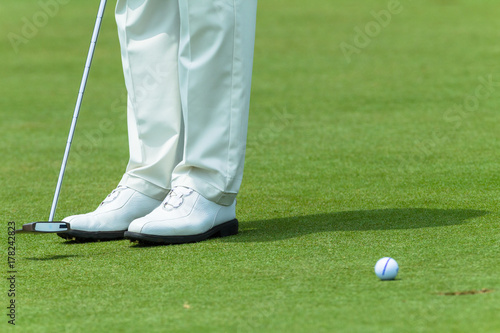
pixel 113 195
pixel 175 197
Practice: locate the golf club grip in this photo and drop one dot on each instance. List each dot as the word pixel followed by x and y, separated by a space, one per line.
pixel 88 63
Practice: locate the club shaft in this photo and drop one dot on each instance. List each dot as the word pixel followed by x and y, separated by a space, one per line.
pixel 83 84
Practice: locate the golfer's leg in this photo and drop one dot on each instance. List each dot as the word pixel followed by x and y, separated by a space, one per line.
pixel 215 66
pixel 215 69
pixel 149 35
pixel 149 40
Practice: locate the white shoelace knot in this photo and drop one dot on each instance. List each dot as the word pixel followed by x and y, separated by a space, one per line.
pixel 175 197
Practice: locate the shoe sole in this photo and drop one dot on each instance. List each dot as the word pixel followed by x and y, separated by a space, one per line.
pixel 222 230
pixel 91 236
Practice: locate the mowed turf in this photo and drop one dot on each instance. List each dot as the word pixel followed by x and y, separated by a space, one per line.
pixel 390 148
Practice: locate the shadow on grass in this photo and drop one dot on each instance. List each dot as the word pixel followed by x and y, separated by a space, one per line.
pixel 359 220
pixel 145 245
pixel 54 257
pixel 89 241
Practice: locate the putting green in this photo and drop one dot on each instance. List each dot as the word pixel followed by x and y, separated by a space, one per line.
pixel 373 132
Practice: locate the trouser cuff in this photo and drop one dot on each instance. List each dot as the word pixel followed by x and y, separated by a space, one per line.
pixel 206 190
pixel 144 187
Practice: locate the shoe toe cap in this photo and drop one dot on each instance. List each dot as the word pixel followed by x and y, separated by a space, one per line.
pixel 136 225
pixel 82 222
pixel 166 228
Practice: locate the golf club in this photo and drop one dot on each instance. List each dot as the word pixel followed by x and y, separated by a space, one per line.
pixel 50 226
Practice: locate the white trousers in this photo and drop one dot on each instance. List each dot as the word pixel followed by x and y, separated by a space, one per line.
pixel 188 69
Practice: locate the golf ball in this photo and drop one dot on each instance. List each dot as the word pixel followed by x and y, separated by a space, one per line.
pixel 386 268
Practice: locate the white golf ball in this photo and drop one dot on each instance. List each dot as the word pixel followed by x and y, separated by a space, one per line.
pixel 386 268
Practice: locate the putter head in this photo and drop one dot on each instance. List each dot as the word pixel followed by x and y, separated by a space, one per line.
pixel 44 227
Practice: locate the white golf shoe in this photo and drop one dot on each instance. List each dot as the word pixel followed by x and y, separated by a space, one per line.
pixel 111 219
pixel 184 217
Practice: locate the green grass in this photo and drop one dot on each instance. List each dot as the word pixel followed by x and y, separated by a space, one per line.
pixel 347 162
